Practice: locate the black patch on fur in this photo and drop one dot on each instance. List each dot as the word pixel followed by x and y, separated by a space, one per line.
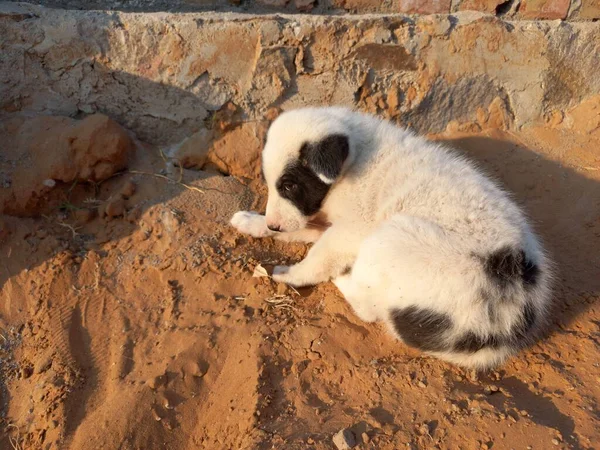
pixel 528 318
pixel 519 336
pixel 303 188
pixel 300 182
pixel 531 272
pixel 421 328
pixel 327 156
pixel 507 266
pixel 471 343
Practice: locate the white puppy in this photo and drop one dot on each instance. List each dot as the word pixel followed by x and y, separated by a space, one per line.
pixel 418 237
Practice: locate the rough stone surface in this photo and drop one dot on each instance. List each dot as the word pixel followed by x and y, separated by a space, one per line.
pixel 344 439
pixel 478 5
pixel 545 9
pixel 589 9
pixel 538 9
pixel 168 76
pixel 424 6
pixel 46 153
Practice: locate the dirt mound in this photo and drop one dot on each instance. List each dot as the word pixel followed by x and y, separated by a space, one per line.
pixel 44 156
pixel 146 329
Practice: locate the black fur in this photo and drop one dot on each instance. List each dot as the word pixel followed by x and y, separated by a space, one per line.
pixel 530 272
pixel 303 188
pixel 507 266
pixel 300 182
pixel 471 343
pixel 327 156
pixel 522 329
pixel 519 336
pixel 421 328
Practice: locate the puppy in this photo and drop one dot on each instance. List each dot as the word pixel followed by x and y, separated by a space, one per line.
pixel 418 237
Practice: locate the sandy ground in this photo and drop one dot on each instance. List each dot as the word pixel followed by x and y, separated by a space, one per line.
pixel 148 331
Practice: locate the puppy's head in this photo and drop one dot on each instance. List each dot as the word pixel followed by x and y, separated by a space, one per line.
pixel 305 153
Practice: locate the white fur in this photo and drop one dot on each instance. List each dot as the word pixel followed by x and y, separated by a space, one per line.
pixel 408 216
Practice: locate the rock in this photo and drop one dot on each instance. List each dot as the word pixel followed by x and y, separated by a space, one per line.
pixel 585 117
pixel 115 208
pixel 491 389
pixel 344 439
pixel 128 189
pixel 238 152
pixel 304 5
pixel 544 9
pixel 478 5
pixel 424 6
pixel 49 153
pixel 193 151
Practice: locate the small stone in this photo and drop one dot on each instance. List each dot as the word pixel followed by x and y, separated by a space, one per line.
pixel 365 438
pixel 49 183
pixel 43 364
pixel 491 389
pixel 424 429
pixel 114 208
pixel 555 442
pixel 344 439
pixel 128 189
pixel 421 384
pixel 310 441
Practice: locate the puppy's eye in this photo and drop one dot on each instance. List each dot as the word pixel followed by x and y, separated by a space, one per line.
pixel 290 187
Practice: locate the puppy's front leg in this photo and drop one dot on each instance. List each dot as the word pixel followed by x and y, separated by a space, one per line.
pixel 255 224
pixel 328 258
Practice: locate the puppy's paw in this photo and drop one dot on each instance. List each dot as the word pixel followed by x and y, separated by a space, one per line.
pixel 281 274
pixel 251 223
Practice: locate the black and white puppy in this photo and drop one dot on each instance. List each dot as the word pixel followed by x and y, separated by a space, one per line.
pixel 418 237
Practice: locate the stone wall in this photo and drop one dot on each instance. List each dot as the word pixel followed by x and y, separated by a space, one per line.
pixel 170 76
pixel 513 9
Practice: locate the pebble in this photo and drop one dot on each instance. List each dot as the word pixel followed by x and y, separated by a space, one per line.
pixel 344 439
pixel 421 384
pixel 115 208
pixel 491 389
pixel 365 438
pixel 128 189
pixel 424 429
pixel 555 441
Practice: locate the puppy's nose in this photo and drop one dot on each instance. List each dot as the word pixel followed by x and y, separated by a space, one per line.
pixel 274 227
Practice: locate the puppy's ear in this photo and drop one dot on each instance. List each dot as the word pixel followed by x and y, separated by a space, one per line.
pixel 326 157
